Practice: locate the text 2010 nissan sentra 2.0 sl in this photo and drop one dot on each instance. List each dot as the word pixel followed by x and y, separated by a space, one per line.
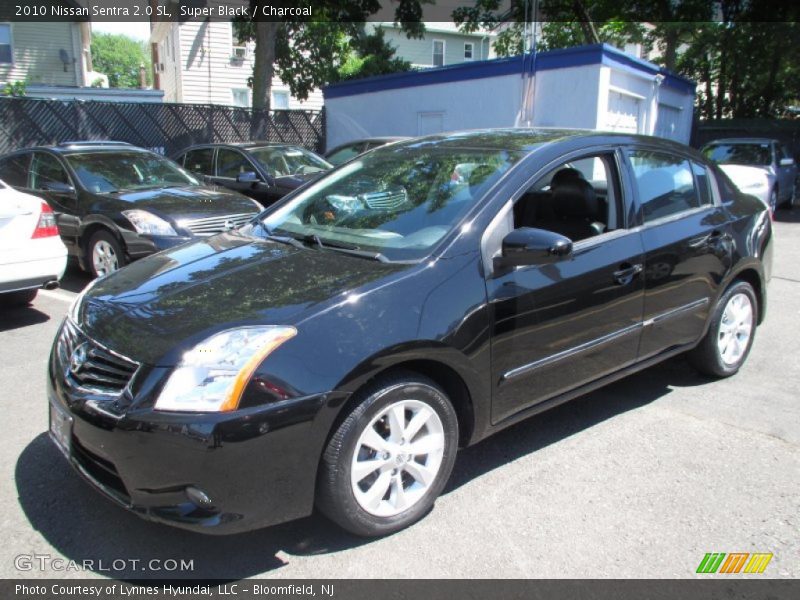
pixel 338 350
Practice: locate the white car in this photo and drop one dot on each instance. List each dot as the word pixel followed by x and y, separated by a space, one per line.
pixel 759 166
pixel 32 254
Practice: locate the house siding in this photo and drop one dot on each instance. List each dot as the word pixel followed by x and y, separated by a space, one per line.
pixel 36 48
pixel 199 69
pixel 419 52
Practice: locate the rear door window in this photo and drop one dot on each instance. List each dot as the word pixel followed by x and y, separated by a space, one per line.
pixel 664 184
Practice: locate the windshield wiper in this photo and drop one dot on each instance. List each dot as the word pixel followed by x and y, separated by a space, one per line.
pixel 283 239
pixel 343 247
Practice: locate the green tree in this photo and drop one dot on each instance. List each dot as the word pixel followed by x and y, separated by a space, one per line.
pixel 120 57
pixel 369 54
pixel 307 52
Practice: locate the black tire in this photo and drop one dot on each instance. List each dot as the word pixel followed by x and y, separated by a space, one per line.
pixel 103 236
pixel 707 357
pixel 773 199
pixel 335 494
pixel 21 298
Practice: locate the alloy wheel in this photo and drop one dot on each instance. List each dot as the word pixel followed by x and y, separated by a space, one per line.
pixel 104 258
pixel 397 458
pixel 735 329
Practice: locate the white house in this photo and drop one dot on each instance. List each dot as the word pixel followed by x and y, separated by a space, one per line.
pixel 591 87
pixel 46 53
pixel 202 62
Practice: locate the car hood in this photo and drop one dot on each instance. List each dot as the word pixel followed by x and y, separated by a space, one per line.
pixel 744 174
pixel 155 308
pixel 190 201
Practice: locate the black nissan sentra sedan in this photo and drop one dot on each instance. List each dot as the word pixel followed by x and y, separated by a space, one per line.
pixel 115 202
pixel 338 351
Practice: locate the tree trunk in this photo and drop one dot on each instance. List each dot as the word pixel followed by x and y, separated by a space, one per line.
pixel 265 63
pixel 671 48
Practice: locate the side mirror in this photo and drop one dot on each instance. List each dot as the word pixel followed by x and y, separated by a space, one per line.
pixel 528 246
pixel 248 177
pixel 58 187
pixel 787 162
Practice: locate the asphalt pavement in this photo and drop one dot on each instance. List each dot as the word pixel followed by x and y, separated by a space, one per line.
pixel 639 479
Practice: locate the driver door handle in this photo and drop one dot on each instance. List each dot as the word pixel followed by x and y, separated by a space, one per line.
pixel 627 273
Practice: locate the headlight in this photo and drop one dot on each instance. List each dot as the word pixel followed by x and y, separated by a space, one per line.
pixel 147 222
pixel 212 376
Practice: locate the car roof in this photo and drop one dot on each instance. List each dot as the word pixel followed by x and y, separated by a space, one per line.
pixel 244 145
pixel 86 146
pixel 527 140
pixel 742 140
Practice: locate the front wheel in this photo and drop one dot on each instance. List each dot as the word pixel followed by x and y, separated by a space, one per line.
pixel 104 254
pixel 390 458
pixel 730 335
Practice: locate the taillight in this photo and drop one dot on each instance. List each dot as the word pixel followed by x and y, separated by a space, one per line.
pixel 46 227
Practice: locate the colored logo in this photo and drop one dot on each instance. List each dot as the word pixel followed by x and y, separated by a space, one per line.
pixel 734 562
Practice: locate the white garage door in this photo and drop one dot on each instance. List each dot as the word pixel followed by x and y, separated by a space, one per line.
pixel 624 113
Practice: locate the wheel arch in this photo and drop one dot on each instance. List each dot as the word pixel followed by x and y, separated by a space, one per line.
pixel 751 272
pixel 445 366
pixel 92 225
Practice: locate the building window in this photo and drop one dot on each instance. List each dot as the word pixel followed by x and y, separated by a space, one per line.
pixel 6 51
pixel 280 100
pixel 438 53
pixel 241 97
pixel 469 51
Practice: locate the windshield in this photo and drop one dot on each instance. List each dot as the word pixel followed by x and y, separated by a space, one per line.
pixel 757 155
pixel 104 172
pixel 395 201
pixel 291 160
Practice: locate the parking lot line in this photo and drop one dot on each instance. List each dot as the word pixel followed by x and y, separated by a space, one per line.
pixel 58 295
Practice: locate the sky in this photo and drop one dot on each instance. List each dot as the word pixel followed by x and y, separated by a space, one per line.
pixel 139 30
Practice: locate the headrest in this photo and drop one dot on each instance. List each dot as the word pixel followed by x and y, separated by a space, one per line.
pixel 564 175
pixel 575 199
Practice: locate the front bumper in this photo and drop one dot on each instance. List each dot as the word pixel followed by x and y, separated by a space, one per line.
pixel 256 466
pixel 139 246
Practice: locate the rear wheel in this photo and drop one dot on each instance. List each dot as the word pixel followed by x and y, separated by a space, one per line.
pixel 21 298
pixel 104 254
pixel 390 458
pixel 730 335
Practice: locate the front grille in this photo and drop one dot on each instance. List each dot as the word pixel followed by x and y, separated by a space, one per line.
pixel 388 200
pixel 90 366
pixel 212 225
pixel 101 470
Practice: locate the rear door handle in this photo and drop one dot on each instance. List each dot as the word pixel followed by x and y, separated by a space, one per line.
pixel 626 273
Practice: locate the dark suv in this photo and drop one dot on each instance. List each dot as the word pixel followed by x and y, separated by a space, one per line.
pixel 115 202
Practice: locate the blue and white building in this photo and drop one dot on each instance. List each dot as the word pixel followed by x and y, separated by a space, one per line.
pixel 589 87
